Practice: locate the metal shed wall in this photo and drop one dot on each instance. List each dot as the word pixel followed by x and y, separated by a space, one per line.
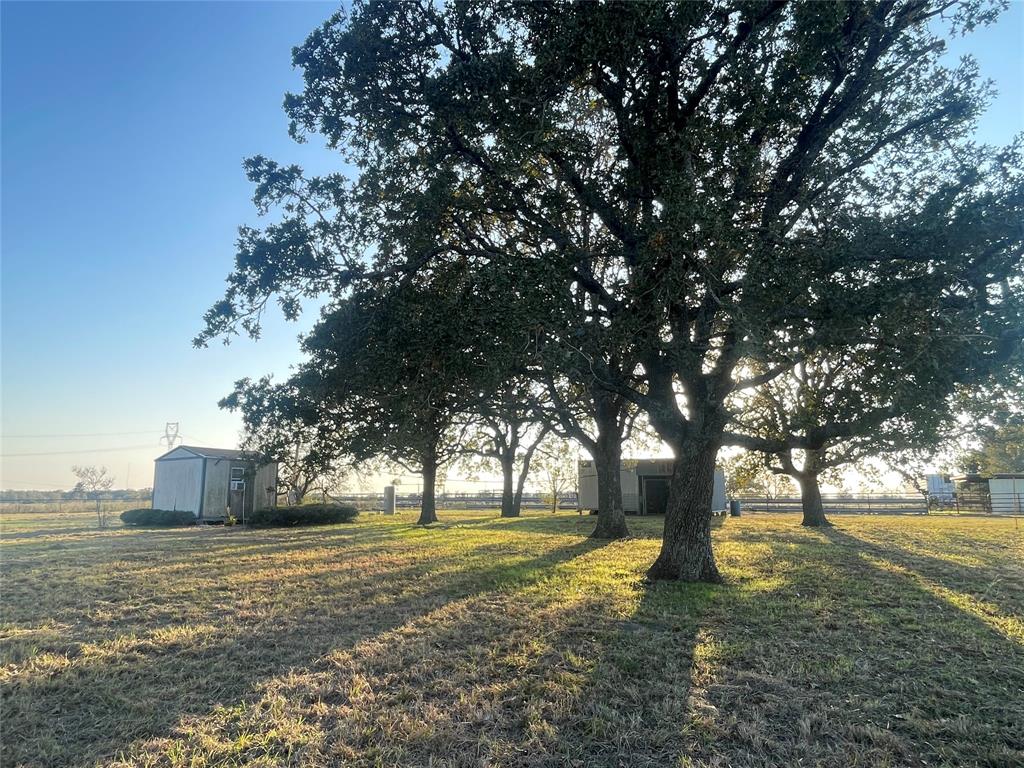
pixel 215 499
pixel 1007 495
pixel 265 492
pixel 178 482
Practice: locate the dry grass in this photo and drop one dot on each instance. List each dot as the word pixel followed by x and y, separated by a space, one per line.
pixel 487 642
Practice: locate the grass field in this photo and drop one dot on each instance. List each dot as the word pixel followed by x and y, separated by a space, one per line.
pixel 888 641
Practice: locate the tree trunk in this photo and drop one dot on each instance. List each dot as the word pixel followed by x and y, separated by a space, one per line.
pixel 686 553
pixel 428 510
pixel 810 500
pixel 524 472
pixel 508 496
pixel 611 520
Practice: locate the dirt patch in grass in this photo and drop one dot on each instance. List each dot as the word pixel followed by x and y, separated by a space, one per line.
pixel 487 642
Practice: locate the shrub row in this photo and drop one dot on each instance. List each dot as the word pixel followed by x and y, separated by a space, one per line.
pixel 158 517
pixel 306 514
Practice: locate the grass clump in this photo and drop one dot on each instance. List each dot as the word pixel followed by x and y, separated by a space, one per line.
pixel 307 514
pixel 163 518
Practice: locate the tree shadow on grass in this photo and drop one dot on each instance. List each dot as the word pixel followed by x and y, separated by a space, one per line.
pixel 504 676
pixel 73 704
pixel 841 660
pixel 809 654
pixel 993 592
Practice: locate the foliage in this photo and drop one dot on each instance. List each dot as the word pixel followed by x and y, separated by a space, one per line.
pixel 305 514
pixel 747 474
pixel 93 483
pixel 158 517
pixel 557 465
pixel 892 387
pixel 274 429
pixel 505 432
pixel 1001 449
pixel 712 187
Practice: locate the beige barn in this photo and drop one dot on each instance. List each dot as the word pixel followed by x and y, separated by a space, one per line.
pixel 213 482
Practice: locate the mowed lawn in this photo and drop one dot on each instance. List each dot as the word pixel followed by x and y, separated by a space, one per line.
pixel 485 642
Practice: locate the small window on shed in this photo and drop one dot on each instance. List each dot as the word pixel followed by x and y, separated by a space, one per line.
pixel 237 473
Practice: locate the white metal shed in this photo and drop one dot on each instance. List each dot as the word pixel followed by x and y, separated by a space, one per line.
pixel 1006 491
pixel 213 482
pixel 644 486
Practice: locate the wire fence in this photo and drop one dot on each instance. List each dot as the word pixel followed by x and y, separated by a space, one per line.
pixel 984 503
pixel 860 504
pixel 60 506
pixel 445 500
pixel 979 502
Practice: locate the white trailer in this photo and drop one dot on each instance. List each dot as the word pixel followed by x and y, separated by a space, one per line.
pixel 213 482
pixel 940 487
pixel 644 486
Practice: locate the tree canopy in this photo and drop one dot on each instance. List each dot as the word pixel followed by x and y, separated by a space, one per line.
pixel 732 186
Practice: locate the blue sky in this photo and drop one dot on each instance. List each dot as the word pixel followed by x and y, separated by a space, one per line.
pixel 124 127
pixel 123 130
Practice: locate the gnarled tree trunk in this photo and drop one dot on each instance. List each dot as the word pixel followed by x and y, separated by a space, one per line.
pixel 686 553
pixel 807 479
pixel 428 509
pixel 810 501
pixel 810 492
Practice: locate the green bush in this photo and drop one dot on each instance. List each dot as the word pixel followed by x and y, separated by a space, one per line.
pixel 158 517
pixel 306 514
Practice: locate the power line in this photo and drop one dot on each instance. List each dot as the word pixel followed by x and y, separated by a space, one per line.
pixel 72 453
pixel 58 486
pixel 84 434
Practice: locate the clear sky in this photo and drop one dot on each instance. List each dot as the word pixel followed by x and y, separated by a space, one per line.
pixel 123 130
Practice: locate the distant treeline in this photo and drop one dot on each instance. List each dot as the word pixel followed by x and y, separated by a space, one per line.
pixel 127 494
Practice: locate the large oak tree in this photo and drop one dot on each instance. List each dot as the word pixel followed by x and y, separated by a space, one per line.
pixel 727 154
pixel 707 173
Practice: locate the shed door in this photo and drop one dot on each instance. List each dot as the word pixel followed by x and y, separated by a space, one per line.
pixel 236 493
pixel 655 495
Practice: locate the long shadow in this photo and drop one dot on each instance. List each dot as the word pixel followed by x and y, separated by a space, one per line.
pixel 809 655
pixel 848 662
pixel 503 678
pixel 822 664
pixel 980 582
pixel 144 686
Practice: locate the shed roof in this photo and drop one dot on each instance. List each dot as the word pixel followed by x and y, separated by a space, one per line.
pixel 212 453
